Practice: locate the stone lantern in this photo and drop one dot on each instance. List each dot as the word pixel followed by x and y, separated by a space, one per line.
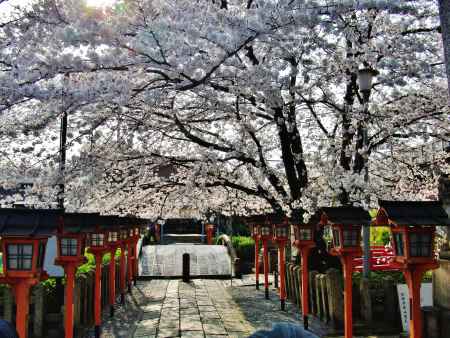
pixel 346 224
pixel 304 242
pixel 413 226
pixel 281 237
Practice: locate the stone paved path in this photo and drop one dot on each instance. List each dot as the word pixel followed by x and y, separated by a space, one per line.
pixel 202 308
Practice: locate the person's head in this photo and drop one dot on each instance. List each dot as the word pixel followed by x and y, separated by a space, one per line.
pixel 284 330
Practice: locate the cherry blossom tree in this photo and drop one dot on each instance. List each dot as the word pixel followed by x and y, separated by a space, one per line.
pixel 253 105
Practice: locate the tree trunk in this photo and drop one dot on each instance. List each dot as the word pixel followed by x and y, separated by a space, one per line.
pixel 444 8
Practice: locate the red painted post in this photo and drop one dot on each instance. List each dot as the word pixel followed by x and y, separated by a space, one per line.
pixel 413 276
pixel 266 268
pixel 70 285
pixel 281 248
pixel 98 294
pixel 257 263
pixel 129 264
pixel 348 296
pixel 112 280
pixel 305 285
pixel 136 261
pixel 122 273
pixel 22 295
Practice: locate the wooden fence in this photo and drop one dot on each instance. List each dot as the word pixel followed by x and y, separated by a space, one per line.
pixel 326 294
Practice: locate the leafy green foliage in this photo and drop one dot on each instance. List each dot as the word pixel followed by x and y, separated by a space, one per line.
pixel 380 235
pixel 245 247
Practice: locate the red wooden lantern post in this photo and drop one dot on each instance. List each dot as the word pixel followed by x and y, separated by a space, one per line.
pixel 137 235
pixel 209 233
pixel 70 255
pixel 413 231
pixel 98 247
pixel 346 224
pixel 130 258
pixel 254 228
pixel 23 261
pixel 113 244
pixel 281 236
pixel 123 244
pixel 304 241
pixel 266 235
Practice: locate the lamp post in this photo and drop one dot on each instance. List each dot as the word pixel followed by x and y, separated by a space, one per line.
pixel 98 246
pixel 70 255
pixel 365 79
pixel 266 235
pixel 413 227
pixel 23 261
pixel 254 229
pixel 281 236
pixel 304 241
pixel 346 224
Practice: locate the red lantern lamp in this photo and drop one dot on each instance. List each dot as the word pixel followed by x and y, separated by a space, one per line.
pixel 23 257
pixel 304 241
pixel 265 231
pixel 346 224
pixel 281 231
pixel 413 226
pixel 281 236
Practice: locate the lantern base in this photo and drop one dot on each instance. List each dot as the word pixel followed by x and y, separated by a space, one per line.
pixel 129 287
pixel 305 322
pixel 257 285
pixel 266 291
pixel 135 282
pixel 283 304
pixel 122 298
pixel 97 331
pixel 111 311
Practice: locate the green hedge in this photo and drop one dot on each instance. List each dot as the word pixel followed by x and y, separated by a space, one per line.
pixel 245 247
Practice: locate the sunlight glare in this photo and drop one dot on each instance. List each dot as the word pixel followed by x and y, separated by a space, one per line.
pixel 100 3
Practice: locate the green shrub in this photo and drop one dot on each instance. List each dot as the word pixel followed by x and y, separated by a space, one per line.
pixel 380 236
pixel 245 247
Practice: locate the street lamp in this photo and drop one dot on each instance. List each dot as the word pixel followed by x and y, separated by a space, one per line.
pixel 281 236
pixel 413 226
pixel 365 79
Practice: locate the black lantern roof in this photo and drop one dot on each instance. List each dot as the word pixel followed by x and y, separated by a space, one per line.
pixel 415 213
pixel 29 222
pixel 45 222
pixel 347 215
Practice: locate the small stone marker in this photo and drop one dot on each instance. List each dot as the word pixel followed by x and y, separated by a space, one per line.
pixel 186 268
